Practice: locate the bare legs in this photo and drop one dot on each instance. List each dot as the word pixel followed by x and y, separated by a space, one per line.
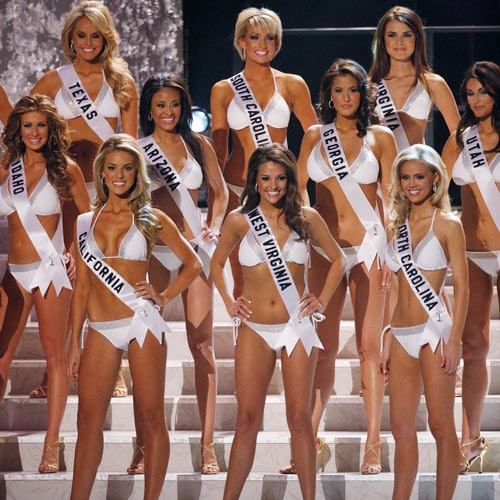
pixel 252 381
pixel 475 342
pixel 147 365
pixel 52 312
pixel 405 389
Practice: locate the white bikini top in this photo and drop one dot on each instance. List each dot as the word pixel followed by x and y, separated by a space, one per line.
pixel 44 198
pixel 191 173
pixel 364 169
pixel 133 245
pixel 276 113
pixel 418 104
pixel 428 254
pixel 251 254
pixel 104 102
pixel 462 174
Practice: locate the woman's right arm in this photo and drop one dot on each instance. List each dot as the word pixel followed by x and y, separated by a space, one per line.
pixel 309 140
pixel 5 105
pixel 220 128
pixel 78 311
pixel 229 238
pixel 48 85
pixel 451 150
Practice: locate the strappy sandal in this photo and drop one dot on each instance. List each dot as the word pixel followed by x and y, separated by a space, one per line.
pixel 323 455
pixel 51 456
pixel 368 468
pixel 137 465
pixel 209 468
pixel 39 392
pixel 483 449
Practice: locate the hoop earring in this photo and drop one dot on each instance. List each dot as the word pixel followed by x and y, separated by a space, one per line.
pixel 256 188
pixel 434 187
pixel 103 182
pixel 244 54
pixel 331 105
pixel 150 117
pixel 72 47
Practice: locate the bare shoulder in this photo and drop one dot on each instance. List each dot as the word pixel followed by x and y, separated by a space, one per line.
pixel 48 84
pixel 380 132
pixel 434 82
pixel 448 223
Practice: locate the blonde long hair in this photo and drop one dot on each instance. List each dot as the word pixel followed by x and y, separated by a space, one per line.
pixel 400 206
pixel 139 199
pixel 115 68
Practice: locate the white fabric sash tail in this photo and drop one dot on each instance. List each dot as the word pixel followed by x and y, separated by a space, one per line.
pixel 297 328
pixel 440 324
pixel 146 315
pixel 82 100
pixel 374 241
pixel 52 268
pixel 180 194
pixel 473 151
pixel 258 126
pixel 386 109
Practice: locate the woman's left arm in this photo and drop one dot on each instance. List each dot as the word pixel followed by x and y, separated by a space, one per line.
pixel 78 189
pixel 191 263
pixel 129 114
pixel 442 97
pixel 321 236
pixel 386 153
pixel 455 244
pixel 216 183
pixel 301 101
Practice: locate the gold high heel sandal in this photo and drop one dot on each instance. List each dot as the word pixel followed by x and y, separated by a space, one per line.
pixel 52 454
pixel 209 468
pixel 483 450
pixel 137 465
pixel 323 456
pixel 368 468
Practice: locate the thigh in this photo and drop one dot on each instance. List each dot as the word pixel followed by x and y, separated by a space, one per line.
pixel 405 388
pixel 298 374
pixel 53 312
pixel 439 389
pixel 368 303
pixel 97 375
pixel 198 307
pixel 147 369
pixel 254 367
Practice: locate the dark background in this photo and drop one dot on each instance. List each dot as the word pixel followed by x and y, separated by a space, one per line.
pixel 210 56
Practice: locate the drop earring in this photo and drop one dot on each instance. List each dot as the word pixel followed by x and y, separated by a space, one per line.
pixel 150 117
pixel 434 188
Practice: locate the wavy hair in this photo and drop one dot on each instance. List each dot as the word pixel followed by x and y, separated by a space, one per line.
pixel 488 74
pixel 365 113
pixel 381 62
pixel 54 151
pixel 400 206
pixel 139 199
pixel 292 201
pixel 265 19
pixel 151 87
pixel 115 68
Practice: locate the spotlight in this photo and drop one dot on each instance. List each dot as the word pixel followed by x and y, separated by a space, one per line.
pixel 202 120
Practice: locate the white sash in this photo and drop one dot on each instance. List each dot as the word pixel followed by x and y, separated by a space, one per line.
pixel 52 268
pixel 296 328
pixel 440 324
pixel 386 109
pixel 180 194
pixel 258 126
pixel 82 100
pixel 480 170
pixel 147 316
pixel 374 241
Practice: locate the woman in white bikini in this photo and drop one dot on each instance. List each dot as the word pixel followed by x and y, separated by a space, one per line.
pixel 114 246
pixel 425 345
pixel 348 143
pixel 36 177
pixel 272 230
pixel 179 161
pixel 473 160
pixel 95 92
pixel 254 105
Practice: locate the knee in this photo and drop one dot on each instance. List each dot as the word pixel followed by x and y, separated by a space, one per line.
pixel 475 349
pixel 201 349
pixel 403 431
pixel 88 421
pixel 442 428
pixel 299 421
pixel 248 422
